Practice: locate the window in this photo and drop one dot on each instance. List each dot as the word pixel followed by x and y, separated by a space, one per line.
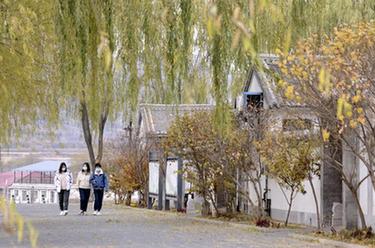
pixel 296 124
pixel 254 101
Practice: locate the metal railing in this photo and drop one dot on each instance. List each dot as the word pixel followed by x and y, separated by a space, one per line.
pixel 34 177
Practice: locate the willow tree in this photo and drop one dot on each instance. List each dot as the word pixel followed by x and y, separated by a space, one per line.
pixel 26 68
pixel 86 47
pixel 265 26
pixel 111 52
pixel 173 52
pixel 26 86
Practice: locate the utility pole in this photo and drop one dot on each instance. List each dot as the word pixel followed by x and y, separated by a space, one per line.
pixel 129 130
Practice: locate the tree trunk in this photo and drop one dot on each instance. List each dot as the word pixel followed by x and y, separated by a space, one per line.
pixel 360 211
pixel 316 201
pixel 290 207
pixel 205 205
pixel 145 194
pixel 214 204
pixel 128 198
pixel 86 131
pixel 102 122
pixel 257 189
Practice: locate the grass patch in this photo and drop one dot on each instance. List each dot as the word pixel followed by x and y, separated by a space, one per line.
pixel 360 236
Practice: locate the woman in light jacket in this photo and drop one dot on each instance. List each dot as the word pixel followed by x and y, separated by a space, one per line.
pixel 63 182
pixel 83 183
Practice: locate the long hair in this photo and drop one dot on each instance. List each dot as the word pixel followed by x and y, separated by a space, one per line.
pixel 61 165
pixel 87 165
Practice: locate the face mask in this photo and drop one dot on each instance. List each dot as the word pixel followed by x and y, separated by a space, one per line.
pixel 63 169
pixel 84 168
pixel 98 171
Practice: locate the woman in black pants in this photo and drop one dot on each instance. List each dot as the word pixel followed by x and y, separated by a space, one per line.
pixel 83 182
pixel 63 182
pixel 99 182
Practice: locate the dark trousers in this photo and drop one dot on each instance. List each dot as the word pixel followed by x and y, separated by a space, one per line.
pixel 98 193
pixel 64 199
pixel 84 195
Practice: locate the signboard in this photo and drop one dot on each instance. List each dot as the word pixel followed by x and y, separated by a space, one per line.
pixel 153 177
pixel 171 180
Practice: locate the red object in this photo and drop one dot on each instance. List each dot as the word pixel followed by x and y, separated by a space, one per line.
pixel 6 179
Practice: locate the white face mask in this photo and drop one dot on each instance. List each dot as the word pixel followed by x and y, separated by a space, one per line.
pixel 63 169
pixel 84 168
pixel 98 171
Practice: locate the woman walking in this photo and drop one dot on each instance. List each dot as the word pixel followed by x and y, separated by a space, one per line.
pixel 63 182
pixel 99 182
pixel 83 183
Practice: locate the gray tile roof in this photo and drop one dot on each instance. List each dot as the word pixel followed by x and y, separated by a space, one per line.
pixel 157 118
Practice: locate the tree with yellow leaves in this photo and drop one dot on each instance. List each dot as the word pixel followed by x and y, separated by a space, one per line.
pixel 128 169
pixel 334 78
pixel 290 160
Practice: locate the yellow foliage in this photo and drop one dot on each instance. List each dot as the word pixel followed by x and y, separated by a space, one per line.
pixel 324 80
pixel 289 92
pixel 325 135
pixel 210 27
pixel 348 109
pixel 13 220
pixel 340 106
pixel 361 119
pixel 281 84
pixel 353 123
pixel 332 68
pixel 33 235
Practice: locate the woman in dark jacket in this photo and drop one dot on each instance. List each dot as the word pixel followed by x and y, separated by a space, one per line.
pixel 99 182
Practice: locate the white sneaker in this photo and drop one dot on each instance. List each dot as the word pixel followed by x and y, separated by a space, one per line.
pixel 98 213
pixel 62 212
pixel 66 212
pixel 95 213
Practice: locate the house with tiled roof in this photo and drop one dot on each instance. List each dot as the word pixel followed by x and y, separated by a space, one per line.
pixel 336 204
pixel 155 119
pixel 260 92
pixel 166 186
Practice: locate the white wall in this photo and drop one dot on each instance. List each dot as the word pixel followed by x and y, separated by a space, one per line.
pixel 153 177
pixel 366 196
pixel 302 202
pixel 171 177
pixel 255 85
pixel 303 207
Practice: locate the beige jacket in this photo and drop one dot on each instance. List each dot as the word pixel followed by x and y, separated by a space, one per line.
pixel 83 180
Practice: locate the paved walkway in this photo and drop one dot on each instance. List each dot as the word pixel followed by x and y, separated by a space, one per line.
pixel 125 227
